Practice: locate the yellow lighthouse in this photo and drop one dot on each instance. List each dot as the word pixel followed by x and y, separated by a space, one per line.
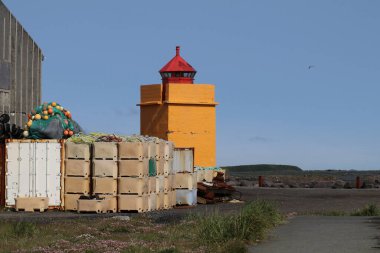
pixel 180 111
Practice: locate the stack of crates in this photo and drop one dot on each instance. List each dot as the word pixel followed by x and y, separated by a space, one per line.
pixel 207 174
pixel 76 173
pixel 134 184
pixel 185 179
pixel 105 173
pixel 165 174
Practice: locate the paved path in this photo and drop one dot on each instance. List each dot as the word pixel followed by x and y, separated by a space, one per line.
pixel 322 234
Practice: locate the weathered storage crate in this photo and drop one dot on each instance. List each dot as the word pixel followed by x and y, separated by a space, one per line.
pixel 104 185
pixel 174 197
pixel 104 150
pixel 186 197
pixel 33 169
pixel 169 200
pixel 152 202
pixel 169 183
pixel 152 150
pixel 133 168
pixel 133 185
pixel 77 151
pixel 105 168
pixel 133 203
pixel 165 150
pixel 160 184
pixel 31 204
pixel 160 201
pixel 165 167
pixel 183 160
pixel 79 185
pixel 133 150
pixel 111 203
pixel 90 205
pixel 71 202
pixel 200 175
pixel 185 181
pixel 152 184
pixel 77 168
pixel 97 205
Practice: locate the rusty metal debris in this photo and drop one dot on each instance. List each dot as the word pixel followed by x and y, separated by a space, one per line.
pixel 217 191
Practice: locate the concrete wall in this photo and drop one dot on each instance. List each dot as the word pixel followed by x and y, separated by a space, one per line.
pixel 20 69
pixel 187 117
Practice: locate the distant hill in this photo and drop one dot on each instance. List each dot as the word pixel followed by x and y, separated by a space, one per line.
pixel 263 168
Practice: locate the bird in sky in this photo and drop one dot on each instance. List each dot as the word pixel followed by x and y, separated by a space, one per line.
pixel 311 66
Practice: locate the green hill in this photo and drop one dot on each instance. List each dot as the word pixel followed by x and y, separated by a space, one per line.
pixel 262 168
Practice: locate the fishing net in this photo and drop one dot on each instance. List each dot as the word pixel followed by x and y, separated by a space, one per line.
pixel 50 121
pixel 104 137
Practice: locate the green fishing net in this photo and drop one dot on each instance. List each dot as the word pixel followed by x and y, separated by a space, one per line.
pixel 50 121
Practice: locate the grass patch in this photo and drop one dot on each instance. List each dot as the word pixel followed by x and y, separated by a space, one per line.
pixel 136 249
pixel 24 229
pixel 170 250
pixel 217 233
pixel 368 210
pixel 250 225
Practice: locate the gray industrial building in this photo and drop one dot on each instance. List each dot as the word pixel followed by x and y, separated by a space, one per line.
pixel 20 69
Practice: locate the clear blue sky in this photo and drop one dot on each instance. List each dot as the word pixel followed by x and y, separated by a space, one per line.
pixel 273 108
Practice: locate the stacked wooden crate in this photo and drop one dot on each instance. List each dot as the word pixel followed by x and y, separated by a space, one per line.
pixel 134 188
pixel 125 177
pixel 185 177
pixel 207 174
pixel 77 174
pixel 104 175
pixel 165 174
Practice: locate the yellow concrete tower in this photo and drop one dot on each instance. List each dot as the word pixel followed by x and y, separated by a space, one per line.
pixel 180 111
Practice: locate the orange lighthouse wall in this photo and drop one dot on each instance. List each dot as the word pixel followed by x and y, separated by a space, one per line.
pixel 187 117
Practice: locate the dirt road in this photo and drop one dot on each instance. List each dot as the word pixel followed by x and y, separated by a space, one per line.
pixel 321 234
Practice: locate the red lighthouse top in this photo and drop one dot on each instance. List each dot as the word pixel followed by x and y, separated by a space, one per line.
pixel 177 70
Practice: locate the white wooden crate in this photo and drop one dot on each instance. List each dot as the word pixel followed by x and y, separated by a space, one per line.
pixel 186 197
pixel 33 169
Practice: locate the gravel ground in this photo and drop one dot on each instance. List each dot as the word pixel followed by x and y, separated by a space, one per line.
pixel 294 200
pixel 304 201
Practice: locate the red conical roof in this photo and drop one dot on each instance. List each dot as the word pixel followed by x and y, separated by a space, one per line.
pixel 177 64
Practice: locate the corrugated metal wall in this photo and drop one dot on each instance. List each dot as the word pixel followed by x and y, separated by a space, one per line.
pixel 20 69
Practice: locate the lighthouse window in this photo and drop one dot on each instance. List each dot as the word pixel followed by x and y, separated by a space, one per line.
pixel 166 75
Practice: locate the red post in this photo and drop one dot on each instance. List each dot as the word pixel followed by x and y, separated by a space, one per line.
pixel 261 181
pixel 358 183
